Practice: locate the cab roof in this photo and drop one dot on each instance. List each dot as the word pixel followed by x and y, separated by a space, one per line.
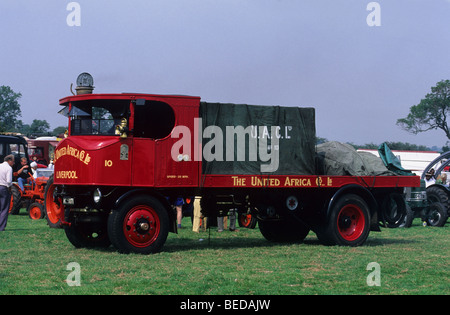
pixel 121 96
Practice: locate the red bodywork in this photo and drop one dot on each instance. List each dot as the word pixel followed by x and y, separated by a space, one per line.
pixel 96 160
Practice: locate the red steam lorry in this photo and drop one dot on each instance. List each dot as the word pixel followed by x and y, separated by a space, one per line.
pixel 128 157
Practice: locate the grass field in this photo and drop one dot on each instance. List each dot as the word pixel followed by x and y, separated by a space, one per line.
pixel 34 259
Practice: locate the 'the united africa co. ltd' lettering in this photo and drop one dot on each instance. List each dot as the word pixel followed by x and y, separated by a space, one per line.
pixel 256 181
pixel 74 152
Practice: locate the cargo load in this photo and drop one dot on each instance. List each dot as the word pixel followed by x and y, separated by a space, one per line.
pixel 252 139
pixel 341 159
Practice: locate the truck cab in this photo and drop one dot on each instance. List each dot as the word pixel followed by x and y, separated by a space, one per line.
pixel 124 140
pixel 118 147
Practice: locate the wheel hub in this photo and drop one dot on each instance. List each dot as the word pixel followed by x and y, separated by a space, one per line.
pixel 345 222
pixel 351 222
pixel 143 226
pixel 140 226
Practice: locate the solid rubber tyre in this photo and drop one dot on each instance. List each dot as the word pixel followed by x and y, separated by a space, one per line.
pixel 139 225
pixel 348 222
pixel 54 210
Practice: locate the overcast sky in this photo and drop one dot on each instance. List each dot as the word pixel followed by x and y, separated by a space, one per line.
pixel 308 53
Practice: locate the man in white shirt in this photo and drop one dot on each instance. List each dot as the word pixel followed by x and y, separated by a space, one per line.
pixel 5 184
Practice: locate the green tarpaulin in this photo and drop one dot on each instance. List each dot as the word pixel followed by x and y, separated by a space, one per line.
pixel 252 139
pixel 341 159
pixel 391 161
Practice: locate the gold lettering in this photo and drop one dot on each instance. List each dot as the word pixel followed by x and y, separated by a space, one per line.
pixel 68 150
pixel 287 182
pixel 239 181
pixel 67 174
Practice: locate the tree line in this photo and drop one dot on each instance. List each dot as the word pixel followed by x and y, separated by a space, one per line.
pixel 10 113
pixel 432 113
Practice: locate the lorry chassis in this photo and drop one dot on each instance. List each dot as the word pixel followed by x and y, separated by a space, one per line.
pixel 139 220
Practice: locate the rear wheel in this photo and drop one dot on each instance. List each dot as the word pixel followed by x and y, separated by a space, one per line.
pixel 437 214
pixel 438 194
pixel 139 225
pixel 348 223
pixel 16 196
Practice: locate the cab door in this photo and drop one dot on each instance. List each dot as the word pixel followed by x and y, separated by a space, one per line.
pixel 154 163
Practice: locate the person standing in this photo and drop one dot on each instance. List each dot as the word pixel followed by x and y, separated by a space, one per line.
pixel 5 186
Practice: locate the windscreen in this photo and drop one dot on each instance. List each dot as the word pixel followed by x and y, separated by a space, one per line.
pixel 97 117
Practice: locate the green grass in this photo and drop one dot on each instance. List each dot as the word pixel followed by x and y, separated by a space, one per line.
pixel 33 260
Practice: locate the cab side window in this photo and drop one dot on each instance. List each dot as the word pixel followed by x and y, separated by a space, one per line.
pixel 153 120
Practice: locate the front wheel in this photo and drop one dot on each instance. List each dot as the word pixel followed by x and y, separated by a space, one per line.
pixel 36 211
pixel 348 222
pixel 139 225
pixel 53 207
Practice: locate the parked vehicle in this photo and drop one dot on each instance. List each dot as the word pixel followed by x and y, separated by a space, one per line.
pixel 128 156
pixel 438 190
pixel 425 204
pixel 42 149
pixel 32 197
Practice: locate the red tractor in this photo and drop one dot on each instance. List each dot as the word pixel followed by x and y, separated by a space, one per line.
pixel 32 196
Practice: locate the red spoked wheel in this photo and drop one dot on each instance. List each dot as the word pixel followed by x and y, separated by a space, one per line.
pixel 351 222
pixel 141 226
